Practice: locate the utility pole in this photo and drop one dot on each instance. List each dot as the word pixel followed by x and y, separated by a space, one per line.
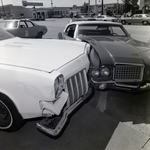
pixel 96 9
pixel 117 7
pixel 102 8
pixel 89 7
pixel 3 8
pixel 52 3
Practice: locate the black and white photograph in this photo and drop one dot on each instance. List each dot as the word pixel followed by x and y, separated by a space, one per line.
pixel 75 75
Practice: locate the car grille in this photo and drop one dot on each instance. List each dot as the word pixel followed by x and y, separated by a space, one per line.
pixel 77 86
pixel 126 72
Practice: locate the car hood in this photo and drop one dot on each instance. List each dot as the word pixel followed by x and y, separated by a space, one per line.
pixel 39 54
pixel 120 50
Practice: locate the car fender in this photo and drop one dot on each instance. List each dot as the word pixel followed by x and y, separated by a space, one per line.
pixel 26 88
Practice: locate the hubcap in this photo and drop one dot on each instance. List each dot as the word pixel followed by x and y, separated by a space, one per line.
pixel 5 116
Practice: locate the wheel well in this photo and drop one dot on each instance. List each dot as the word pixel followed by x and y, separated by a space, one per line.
pixel 7 97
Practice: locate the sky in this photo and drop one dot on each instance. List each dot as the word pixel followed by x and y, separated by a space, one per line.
pixel 58 3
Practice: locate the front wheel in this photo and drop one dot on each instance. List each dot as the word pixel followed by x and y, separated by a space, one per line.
pixel 39 35
pixel 10 119
pixel 123 22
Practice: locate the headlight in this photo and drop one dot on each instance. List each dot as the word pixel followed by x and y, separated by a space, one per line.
pixel 95 73
pixel 105 72
pixel 59 85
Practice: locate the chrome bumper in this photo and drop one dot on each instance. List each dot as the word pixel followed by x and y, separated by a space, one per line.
pixel 61 120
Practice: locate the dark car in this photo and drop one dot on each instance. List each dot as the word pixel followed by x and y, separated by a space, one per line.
pixel 23 28
pixel 117 61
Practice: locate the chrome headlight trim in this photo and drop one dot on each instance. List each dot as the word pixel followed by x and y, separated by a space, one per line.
pixel 105 72
pixel 59 85
pixel 95 73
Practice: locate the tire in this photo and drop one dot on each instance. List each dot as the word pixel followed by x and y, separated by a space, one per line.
pixel 39 35
pixel 123 22
pixel 145 22
pixel 10 119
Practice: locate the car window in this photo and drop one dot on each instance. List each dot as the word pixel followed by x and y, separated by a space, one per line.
pixel 22 24
pixel 99 29
pixel 118 31
pixel 147 15
pixel 139 16
pixel 8 24
pixel 29 24
pixel 70 30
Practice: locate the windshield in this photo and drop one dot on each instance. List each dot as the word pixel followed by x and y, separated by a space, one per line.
pixel 5 35
pixel 99 29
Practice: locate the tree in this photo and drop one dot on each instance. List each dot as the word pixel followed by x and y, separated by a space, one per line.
pixel 130 6
pixel 84 8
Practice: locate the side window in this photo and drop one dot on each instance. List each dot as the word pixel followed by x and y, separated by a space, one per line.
pixel 70 31
pixel 139 16
pixel 22 24
pixel 118 31
pixel 29 24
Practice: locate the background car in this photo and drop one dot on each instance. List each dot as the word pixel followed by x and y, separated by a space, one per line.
pixel 23 28
pixel 106 18
pixel 41 78
pixel 117 61
pixel 137 18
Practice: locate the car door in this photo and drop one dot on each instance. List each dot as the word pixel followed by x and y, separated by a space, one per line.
pixel 133 19
pixel 23 30
pixel 138 19
pixel 33 30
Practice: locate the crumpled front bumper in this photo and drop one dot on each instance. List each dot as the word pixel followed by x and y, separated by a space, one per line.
pixel 54 125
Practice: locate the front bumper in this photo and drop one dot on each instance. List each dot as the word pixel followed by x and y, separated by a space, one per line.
pixel 111 85
pixel 54 126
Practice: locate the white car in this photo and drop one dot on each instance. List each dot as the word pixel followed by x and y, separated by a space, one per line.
pixel 41 78
pixel 106 18
pixel 23 28
pixel 136 19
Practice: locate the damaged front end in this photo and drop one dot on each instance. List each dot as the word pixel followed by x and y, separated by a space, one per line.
pixel 78 90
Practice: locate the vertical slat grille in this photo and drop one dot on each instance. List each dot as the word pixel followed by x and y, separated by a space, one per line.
pixel 128 72
pixel 77 86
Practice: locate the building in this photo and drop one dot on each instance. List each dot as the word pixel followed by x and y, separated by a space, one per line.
pixel 9 11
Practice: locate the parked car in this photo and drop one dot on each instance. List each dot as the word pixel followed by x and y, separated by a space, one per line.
pixel 41 78
pixel 23 28
pixel 117 61
pixel 106 18
pixel 137 18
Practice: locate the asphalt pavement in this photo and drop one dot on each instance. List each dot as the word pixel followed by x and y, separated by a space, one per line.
pixel 123 125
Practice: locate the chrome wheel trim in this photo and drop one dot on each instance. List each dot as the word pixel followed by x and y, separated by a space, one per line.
pixel 6 118
pixel 145 22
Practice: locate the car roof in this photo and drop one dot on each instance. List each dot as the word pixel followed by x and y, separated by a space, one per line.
pixel 95 22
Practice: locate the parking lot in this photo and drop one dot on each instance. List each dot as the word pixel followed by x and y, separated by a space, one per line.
pixel 123 125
